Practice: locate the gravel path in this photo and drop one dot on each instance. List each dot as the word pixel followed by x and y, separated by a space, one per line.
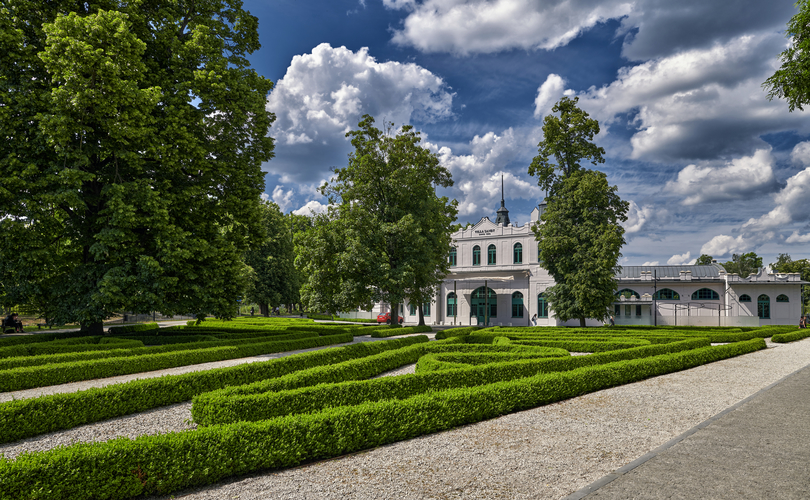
pixel 547 452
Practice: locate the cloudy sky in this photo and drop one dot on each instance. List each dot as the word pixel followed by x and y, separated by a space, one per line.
pixel 708 164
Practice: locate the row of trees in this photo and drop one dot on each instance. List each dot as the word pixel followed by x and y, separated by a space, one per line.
pixel 131 142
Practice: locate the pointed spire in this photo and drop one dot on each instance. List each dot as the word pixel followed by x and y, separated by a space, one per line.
pixel 503 213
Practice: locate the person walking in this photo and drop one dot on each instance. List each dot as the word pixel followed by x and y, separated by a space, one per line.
pixel 612 321
pixel 534 320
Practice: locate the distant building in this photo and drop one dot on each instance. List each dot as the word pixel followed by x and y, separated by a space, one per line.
pixel 495 278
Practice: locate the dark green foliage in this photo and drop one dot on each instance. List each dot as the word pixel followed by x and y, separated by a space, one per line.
pixel 29 417
pixel 792 336
pixel 456 332
pixel 170 462
pixel 792 80
pixel 118 330
pixel 390 332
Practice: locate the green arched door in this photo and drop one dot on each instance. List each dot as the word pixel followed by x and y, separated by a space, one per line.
pixel 479 302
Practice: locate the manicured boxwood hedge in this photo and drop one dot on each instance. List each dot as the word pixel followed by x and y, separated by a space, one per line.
pixel 54 347
pixel 391 332
pixel 29 377
pixel 124 468
pixel 24 418
pixel 117 330
pixel 791 336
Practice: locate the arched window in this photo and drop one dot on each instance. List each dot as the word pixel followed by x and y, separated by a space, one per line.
pixel 542 306
pixel 479 301
pixel 491 255
pixel 517 305
pixel 782 298
pixel 476 255
pixel 764 306
pixel 452 258
pixel 451 305
pixel 745 298
pixel 627 293
pixel 705 294
pixel 518 254
pixel 666 294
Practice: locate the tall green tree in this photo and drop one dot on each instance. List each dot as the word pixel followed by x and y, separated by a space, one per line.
pixel 388 232
pixel 579 234
pixel 274 279
pixel 743 264
pixel 704 260
pixel 792 80
pixel 131 141
pixel 784 264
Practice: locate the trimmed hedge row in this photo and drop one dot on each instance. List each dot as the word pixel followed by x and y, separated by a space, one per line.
pixel 166 463
pixel 229 406
pixel 456 332
pixel 791 336
pixel 116 352
pixel 391 332
pixel 45 348
pixel 24 418
pixel 585 346
pixel 29 377
pixel 132 328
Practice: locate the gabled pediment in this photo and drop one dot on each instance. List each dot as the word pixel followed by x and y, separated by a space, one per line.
pixel 484 223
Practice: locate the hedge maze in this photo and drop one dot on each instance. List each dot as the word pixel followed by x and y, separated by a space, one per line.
pixel 312 405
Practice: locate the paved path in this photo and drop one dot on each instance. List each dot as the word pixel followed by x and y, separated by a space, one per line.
pixel 756 449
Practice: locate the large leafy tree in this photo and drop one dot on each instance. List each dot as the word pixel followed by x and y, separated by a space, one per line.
pixel 743 264
pixel 792 80
pixel 387 235
pixel 579 234
pixel 704 260
pixel 274 280
pixel 131 141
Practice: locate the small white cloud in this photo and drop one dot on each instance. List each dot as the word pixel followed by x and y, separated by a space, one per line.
pixel 265 197
pixel 791 205
pixel 798 238
pixel 548 94
pixel 723 244
pixel 677 260
pixel 738 179
pixel 311 208
pixel 637 217
pixel 282 198
pixel 648 263
pixel 801 154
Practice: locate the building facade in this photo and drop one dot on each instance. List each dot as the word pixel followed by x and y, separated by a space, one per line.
pixel 496 279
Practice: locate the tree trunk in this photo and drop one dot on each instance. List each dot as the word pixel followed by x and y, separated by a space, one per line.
pixel 421 316
pixel 264 310
pixel 582 322
pixel 394 314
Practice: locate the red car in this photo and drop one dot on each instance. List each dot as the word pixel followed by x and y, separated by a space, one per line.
pixel 386 318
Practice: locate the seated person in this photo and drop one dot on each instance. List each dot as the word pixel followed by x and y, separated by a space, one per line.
pixel 13 321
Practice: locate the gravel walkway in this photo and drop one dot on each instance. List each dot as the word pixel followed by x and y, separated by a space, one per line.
pixel 547 452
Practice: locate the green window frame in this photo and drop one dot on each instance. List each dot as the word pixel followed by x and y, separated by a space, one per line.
pixel 638 310
pixel 627 310
pixel 476 255
pixel 666 294
pixel 627 293
pixel 764 307
pixel 782 298
pixel 493 302
pixel 452 303
pixel 492 255
pixel 517 257
pixel 412 308
pixel 745 298
pixel 453 257
pixel 542 306
pixel 426 309
pixel 705 294
pixel 517 305
pixel 617 310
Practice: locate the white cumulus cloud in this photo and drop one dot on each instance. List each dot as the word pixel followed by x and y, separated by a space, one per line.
pixel 548 94
pixel 678 260
pixel 282 198
pixel 738 179
pixel 650 263
pixel 311 208
pixel 325 93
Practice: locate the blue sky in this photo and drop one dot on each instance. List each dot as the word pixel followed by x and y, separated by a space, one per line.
pixel 708 164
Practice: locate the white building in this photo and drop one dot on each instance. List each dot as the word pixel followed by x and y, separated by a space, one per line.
pixel 502 258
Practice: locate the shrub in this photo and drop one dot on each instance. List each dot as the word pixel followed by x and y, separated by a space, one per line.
pixel 29 417
pixel 390 332
pixel 132 328
pixel 791 336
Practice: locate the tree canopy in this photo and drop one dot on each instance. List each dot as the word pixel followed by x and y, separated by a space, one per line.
pixel 792 80
pixel 784 264
pixel 579 234
pixel 387 234
pixel 704 260
pixel 131 141
pixel 743 264
pixel 274 279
